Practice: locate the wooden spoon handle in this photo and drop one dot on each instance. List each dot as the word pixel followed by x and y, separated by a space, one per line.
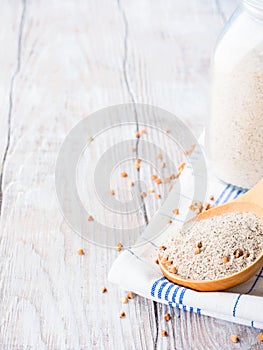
pixel 255 195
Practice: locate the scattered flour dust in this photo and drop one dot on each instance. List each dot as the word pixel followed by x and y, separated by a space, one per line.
pixel 214 248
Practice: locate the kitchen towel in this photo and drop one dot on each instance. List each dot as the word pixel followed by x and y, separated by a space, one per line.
pixel 135 269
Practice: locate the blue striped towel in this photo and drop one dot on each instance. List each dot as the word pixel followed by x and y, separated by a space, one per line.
pixel 136 270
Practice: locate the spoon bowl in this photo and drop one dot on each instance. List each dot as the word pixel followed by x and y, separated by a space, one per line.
pixel 252 202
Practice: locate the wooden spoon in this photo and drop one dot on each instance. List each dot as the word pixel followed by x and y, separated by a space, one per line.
pixel 252 201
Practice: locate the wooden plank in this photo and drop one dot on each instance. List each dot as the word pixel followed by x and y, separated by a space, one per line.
pixel 10 41
pixel 77 57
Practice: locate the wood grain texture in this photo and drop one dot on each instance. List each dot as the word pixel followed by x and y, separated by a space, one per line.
pixel 62 60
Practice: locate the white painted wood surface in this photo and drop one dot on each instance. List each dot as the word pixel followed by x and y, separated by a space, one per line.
pixel 60 61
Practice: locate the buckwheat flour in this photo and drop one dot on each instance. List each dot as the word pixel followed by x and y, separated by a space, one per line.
pixel 214 248
pixel 235 140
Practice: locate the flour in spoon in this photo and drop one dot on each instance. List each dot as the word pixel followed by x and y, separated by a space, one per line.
pixel 214 248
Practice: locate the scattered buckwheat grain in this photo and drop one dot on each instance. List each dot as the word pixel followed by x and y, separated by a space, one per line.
pixel 206 206
pixel 190 151
pixel 197 251
pixel 238 253
pixel 124 300
pixel 181 166
pixel 225 260
pixel 173 270
pixel 103 289
pixel 90 218
pixel 130 295
pixel 167 317
pixel 196 207
pixel 234 338
pixel 122 314
pixel 119 246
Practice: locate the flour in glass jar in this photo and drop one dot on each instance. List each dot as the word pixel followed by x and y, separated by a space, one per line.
pixel 235 141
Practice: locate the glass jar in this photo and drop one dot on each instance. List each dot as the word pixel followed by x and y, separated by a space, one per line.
pixel 235 132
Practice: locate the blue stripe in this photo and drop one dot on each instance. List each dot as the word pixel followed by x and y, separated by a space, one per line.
pixel 132 253
pixel 184 307
pixel 191 309
pixel 222 194
pixel 198 311
pixel 182 296
pixel 172 217
pixel 170 303
pixel 229 194
pixel 252 324
pixel 175 293
pixel 178 220
pixel 235 306
pixel 161 289
pixel 152 243
pixel 168 291
pixel 255 282
pixel 147 241
pixel 238 193
pixel 155 285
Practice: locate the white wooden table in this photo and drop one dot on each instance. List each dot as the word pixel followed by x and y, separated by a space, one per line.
pixel 60 61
